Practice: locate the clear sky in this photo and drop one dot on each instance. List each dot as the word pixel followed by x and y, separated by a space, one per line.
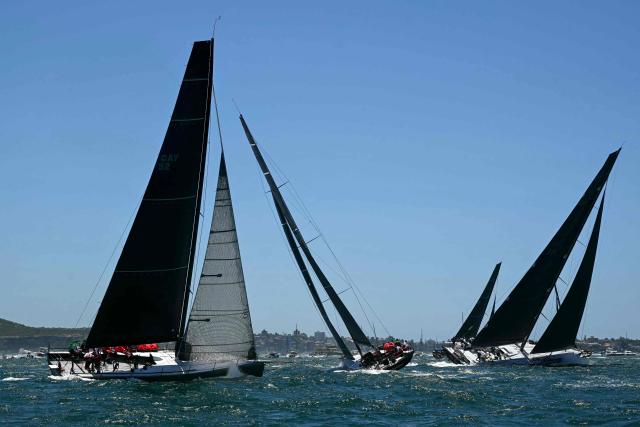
pixel 429 139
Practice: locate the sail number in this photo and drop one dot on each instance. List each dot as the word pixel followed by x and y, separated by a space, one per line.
pixel 166 161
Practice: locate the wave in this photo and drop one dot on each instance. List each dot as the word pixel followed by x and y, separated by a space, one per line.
pixel 443 364
pixel 68 378
pixel 15 378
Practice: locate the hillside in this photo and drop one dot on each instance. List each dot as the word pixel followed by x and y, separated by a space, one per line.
pixel 10 329
pixel 14 336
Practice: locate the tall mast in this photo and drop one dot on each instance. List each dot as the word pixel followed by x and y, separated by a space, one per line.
pixel 203 164
pixel 354 329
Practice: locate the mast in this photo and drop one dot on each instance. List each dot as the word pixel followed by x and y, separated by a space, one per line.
pixel 515 318
pixel 354 329
pixel 471 325
pixel 203 164
pixel 148 292
pixel 563 328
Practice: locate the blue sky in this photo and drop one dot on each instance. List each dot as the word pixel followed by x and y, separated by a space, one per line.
pixel 429 140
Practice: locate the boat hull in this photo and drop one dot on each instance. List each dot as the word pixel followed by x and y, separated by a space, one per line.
pixel 511 354
pixel 398 363
pixel 165 367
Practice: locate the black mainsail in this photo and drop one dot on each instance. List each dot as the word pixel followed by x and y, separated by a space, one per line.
pixel 146 300
pixel 563 328
pixel 354 329
pixel 515 318
pixel 471 325
pixel 219 325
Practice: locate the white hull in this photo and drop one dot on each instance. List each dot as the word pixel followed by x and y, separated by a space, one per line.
pixel 165 367
pixel 511 354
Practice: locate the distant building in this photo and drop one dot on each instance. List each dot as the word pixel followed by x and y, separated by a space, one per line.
pixel 319 336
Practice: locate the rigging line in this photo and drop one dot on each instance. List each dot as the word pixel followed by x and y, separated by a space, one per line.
pixel 355 286
pixel 203 209
pixel 542 314
pixel 108 261
pixel 299 201
pixel 282 236
pixel 306 213
pixel 347 277
pixel 194 229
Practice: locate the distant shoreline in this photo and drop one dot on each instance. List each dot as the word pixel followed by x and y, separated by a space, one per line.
pixel 15 336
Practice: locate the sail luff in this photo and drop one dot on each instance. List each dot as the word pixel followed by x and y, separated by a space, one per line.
pixel 471 325
pixel 563 328
pixel 352 326
pixel 515 318
pixel 143 302
pixel 196 221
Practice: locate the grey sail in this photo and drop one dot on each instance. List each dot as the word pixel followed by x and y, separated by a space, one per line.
pixel 219 325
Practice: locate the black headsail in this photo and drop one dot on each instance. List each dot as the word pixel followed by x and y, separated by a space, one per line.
pixel 563 329
pixel 354 329
pixel 146 300
pixel 515 318
pixel 471 325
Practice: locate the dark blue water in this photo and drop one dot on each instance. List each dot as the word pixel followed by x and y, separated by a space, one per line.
pixel 308 391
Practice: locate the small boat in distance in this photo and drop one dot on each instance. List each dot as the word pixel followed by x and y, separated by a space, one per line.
pixel 147 300
pixel 392 357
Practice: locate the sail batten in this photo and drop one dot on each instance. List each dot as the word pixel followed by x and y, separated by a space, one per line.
pixel 514 320
pixel 471 325
pixel 226 332
pixel 563 329
pixel 145 297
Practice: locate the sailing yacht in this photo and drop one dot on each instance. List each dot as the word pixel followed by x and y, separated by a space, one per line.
pixel 147 300
pixel 505 337
pixel 368 356
pixel 471 325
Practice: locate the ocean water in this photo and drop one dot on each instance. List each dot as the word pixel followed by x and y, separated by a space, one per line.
pixel 312 391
